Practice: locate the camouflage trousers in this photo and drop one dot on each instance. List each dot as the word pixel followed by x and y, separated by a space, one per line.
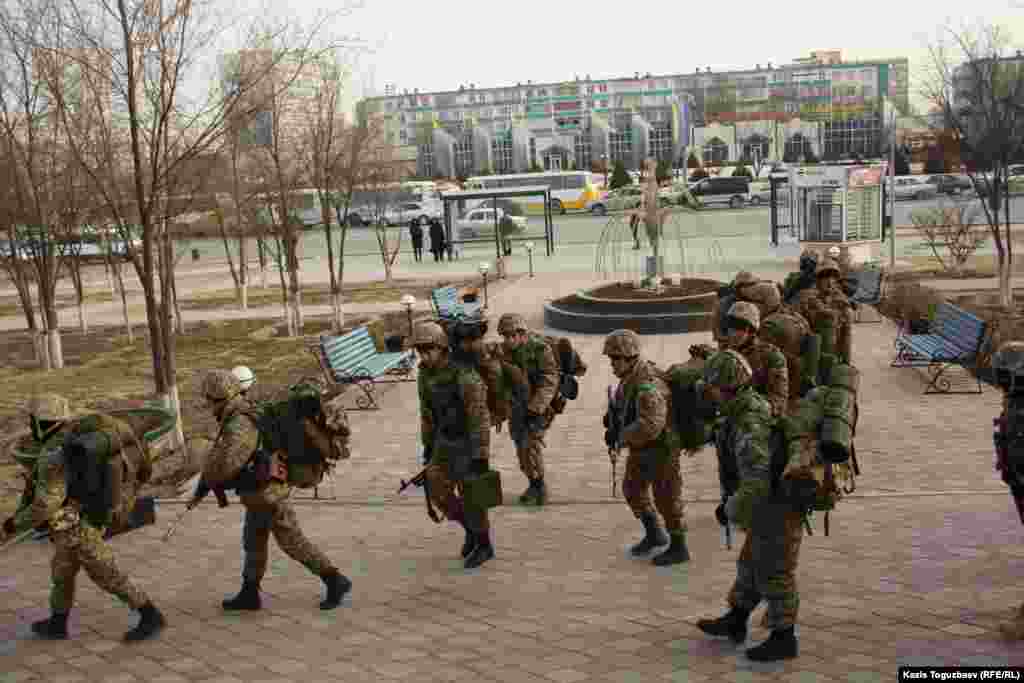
pixel 269 512
pixel 766 566
pixel 648 470
pixel 531 455
pixel 81 546
pixel 445 497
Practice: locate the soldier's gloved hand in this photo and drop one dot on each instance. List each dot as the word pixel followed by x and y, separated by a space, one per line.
pixel 534 422
pixel 609 439
pixel 478 466
pixel 428 453
pixel 9 527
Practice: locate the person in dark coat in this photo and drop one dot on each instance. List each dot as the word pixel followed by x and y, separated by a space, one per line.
pixel 436 239
pixel 416 235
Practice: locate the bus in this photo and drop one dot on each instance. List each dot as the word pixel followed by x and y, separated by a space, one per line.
pixel 569 189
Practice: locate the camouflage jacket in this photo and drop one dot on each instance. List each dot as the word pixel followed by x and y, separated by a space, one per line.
pixel 644 401
pixel 236 442
pixel 536 359
pixel 771 372
pixel 743 441
pixel 471 389
pixel 49 499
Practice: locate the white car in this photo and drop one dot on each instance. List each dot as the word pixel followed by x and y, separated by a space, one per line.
pixel 480 223
pixel 405 212
pixel 914 187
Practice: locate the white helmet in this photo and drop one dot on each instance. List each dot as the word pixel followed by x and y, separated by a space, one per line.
pixel 834 252
pixel 244 376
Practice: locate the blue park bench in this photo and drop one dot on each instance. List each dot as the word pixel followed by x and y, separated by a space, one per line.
pixel 353 359
pixel 448 306
pixel 954 338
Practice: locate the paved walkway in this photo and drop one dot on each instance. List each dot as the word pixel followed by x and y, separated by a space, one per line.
pixel 921 565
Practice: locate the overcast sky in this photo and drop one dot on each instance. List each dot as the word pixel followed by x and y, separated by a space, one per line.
pixel 443 44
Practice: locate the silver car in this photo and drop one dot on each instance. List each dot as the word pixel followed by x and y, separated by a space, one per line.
pixel 914 187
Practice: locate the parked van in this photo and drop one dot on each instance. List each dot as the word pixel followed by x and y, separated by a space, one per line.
pixel 734 191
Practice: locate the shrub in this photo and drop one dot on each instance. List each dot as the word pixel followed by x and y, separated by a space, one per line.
pixel 742 170
pixel 619 177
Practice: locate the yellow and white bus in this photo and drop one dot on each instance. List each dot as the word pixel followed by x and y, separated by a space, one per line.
pixel 569 189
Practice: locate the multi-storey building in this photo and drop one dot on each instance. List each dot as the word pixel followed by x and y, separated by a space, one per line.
pixel 820 106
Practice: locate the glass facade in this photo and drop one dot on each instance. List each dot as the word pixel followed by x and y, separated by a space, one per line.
pixel 501 152
pixel 661 145
pixel 845 138
pixel 584 151
pixel 464 156
pixel 620 143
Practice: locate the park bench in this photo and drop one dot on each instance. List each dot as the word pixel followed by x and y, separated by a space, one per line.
pixel 870 289
pixel 448 306
pixel 353 359
pixel 954 338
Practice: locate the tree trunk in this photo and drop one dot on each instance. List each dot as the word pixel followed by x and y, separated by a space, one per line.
pixel 172 403
pixel 55 348
pixel 82 323
pixel 337 312
pixel 39 341
pixel 124 302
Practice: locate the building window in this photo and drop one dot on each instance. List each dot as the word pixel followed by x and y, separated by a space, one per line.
pixel 583 151
pixel 716 152
pixel 427 160
pixel 846 138
pixel 501 152
pixel 464 156
pixel 533 152
pixel 620 147
pixel 797 149
pixel 755 145
pixel 661 142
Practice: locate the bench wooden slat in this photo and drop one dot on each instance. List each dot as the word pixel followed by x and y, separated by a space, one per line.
pixel 956 338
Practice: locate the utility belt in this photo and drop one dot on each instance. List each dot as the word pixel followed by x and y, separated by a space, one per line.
pixel 262 468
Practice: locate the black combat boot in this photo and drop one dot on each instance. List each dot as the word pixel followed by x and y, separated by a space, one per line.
pixel 151 623
pixel 781 644
pixel 529 493
pixel 54 628
pixel 469 545
pixel 653 538
pixel 676 553
pixel 540 496
pixel 482 552
pixel 247 599
pixel 733 624
pixel 337 585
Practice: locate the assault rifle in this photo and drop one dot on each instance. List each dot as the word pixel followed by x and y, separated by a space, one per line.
pixel 1007 469
pixel 421 480
pixel 613 435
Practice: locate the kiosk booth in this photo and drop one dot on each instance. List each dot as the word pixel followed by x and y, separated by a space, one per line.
pixel 824 206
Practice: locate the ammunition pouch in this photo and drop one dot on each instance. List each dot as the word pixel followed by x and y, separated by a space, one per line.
pixel 568 388
pixel 558 404
pixel 482 491
pixel 92 477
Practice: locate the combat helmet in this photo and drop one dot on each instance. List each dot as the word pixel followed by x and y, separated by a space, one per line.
pixel 468 327
pixel 809 261
pixel 1008 365
pixel 511 323
pixel 744 277
pixel 220 385
pixel 622 343
pixel 244 376
pixel 747 312
pixel 827 266
pixel 728 370
pixel 427 333
pixel 49 408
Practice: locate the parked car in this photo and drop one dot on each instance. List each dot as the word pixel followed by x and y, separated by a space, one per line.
pixel 914 187
pixel 734 191
pixel 480 223
pixel 677 193
pixel 761 194
pixel 405 212
pixel 623 198
pixel 946 183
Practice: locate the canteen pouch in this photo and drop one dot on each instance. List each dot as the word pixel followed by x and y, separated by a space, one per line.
pixel 483 491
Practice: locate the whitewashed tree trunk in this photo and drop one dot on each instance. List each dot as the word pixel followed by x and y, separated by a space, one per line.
pixel 338 311
pixel 55 348
pixel 82 322
pixel 300 318
pixel 172 403
pixel 244 296
pixel 42 350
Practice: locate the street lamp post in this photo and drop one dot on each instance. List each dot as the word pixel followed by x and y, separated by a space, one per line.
pixel 604 164
pixel 892 194
pixel 484 267
pixel 408 300
pixel 529 253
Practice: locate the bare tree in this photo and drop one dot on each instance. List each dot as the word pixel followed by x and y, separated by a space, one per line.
pixel 140 51
pixel 326 146
pixel 950 228
pixel 978 85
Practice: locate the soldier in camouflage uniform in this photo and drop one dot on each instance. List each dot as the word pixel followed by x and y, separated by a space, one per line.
pixel 642 407
pixel 532 414
pixel 455 428
pixel 78 513
pixel 765 569
pixel 267 509
pixel 771 372
pixel 828 299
